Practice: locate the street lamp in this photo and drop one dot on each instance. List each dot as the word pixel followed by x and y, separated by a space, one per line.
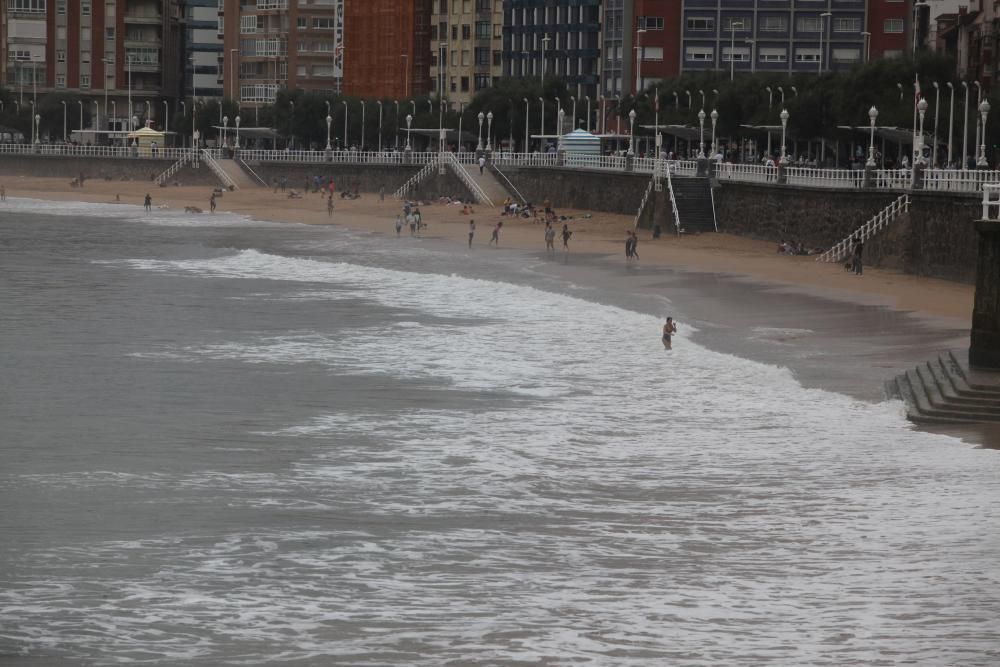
pixel 715 119
pixel 951 119
pixel 823 22
pixel 984 110
pixel 979 90
pixel 545 64
pixel 770 96
pixel 640 52
pixel 80 102
pixel 872 115
pixel 559 140
pixel 701 141
pixel 573 98
pixel 329 119
pixel 937 108
pixel 733 25
pixel 479 145
pixel 867 36
pixel 346 145
pixel 38 121
pixel 527 122
pixel 965 127
pixel 489 131
pixel 379 102
pixel 782 91
pixel 784 125
pixel 409 119
pixel 918 148
pixel 631 136
pixel 362 147
pixel 166 117
pixel 702 98
pixel 395 142
pixel 237 144
pixel 795 90
pixel 64 120
pixel 688 92
pixel 541 123
pixel 225 126
pixel 587 97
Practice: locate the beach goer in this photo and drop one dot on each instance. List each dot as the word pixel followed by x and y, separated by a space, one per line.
pixel 472 231
pixel 399 224
pixel 419 218
pixel 635 245
pixel 329 206
pixel 550 239
pixel 856 266
pixel 148 203
pixel 381 193
pixel 3 193
pixel 565 237
pixel 628 245
pixel 482 164
pixel 495 237
pixel 669 329
pixel 411 220
pixel 211 203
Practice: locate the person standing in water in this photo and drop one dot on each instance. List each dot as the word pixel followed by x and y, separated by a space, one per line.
pixel 472 231
pixel 550 239
pixel 669 329
pixel 211 203
pixel 148 203
pixel 565 237
pixel 399 224
pixel 329 206
pixel 495 238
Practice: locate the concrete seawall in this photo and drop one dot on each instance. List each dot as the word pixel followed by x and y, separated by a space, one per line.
pixel 110 169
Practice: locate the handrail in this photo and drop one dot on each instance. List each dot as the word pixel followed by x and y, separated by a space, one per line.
pixel 173 169
pixel 218 171
pixel 245 167
pixel 509 184
pixel 673 204
pixel 414 180
pixel 711 194
pixel 642 204
pixel 899 205
pixel 477 192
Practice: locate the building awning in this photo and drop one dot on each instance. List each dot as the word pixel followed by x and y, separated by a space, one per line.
pixel 897 135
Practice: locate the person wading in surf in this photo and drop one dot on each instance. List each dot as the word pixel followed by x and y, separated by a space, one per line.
pixel 669 329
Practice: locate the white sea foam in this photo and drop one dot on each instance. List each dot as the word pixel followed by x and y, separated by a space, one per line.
pixel 132 213
pixel 628 506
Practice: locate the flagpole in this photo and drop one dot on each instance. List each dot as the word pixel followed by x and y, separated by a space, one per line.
pixel 916 100
pixel 656 123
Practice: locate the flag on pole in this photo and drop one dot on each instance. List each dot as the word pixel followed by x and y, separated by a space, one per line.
pixel 916 88
pixel 657 102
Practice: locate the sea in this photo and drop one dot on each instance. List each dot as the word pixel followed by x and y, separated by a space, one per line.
pixel 231 442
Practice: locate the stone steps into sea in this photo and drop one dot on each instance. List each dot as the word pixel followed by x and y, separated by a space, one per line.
pixel 946 390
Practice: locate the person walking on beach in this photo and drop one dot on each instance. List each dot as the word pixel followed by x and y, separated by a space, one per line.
pixel 211 203
pixel 472 231
pixel 411 220
pixel 859 248
pixel 482 164
pixel 399 224
pixel 381 193
pixel 669 329
pixel 550 239
pixel 628 245
pixel 495 238
pixel 329 206
pixel 565 237
pixel 148 203
pixel 635 245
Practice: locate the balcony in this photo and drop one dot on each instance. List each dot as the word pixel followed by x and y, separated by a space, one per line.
pixel 144 19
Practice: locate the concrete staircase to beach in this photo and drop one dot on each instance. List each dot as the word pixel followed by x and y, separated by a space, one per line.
pixel 241 178
pixel 946 391
pixel 695 204
pixel 489 183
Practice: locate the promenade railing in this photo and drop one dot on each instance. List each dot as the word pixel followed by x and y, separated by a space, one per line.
pixel 934 180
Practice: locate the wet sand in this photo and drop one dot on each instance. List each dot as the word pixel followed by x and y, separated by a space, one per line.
pixel 834 330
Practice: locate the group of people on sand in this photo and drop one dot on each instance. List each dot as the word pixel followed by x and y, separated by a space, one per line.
pixel 412 218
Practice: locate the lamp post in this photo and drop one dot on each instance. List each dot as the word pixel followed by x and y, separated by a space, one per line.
pixel 733 25
pixel 559 140
pixel 541 123
pixel 479 144
pixel 329 119
pixel 770 96
pixel 573 98
pixel 951 119
pixel 715 119
pixel 225 126
pixel 97 120
pixel 631 132
pixel 872 116
pixel 362 147
pixel 236 145
pixel 461 115
pixel 965 127
pixel 984 110
pixel 688 92
pixel 114 115
pixel 587 97
pixel 291 115
pixel 409 119
pixel 135 122
pixel 867 36
pixel 527 122
pixel 232 73
pixel 395 143
pixel 701 141
pixel 782 91
pixel 38 121
pixel 638 59
pixel 128 59
pixel 937 108
pixel 918 149
pixel 702 99
pixel 379 126
pixel 65 116
pixel 795 90
pixel 784 126
pixel 545 64
pixel 489 132
pixel 979 100
pixel 346 145
pixel 166 117
pixel 823 23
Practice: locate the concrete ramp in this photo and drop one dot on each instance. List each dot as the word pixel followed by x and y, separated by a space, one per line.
pixel 236 174
pixel 489 184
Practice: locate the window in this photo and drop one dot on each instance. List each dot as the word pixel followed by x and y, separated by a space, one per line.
pixel 652 52
pixel 61 32
pixel 650 23
pixel 482 56
pixel 325 23
pixel 60 55
pixel 301 22
pixel 85 34
pixel 846 55
pixel 434 33
pixel 484 5
pixel 85 57
pixel 773 23
pixel 847 24
pixel 109 33
pixel 466 6
pixel 740 54
pixel 806 55
pixel 60 6
pixel 248 24
pixel 454 58
pixel 465 84
pixel 771 54
pixel 454 85
pixel 84 9
pixel 497 58
pixel 736 24
pixel 466 31
pixel 85 81
pixel 700 23
pixel 442 6
pixel 892 26
pixel 32 6
pixel 807 24
pixel 60 80
pixel 699 53
pixel 482 29
pixel 443 30
pixel 466 58
pixel 482 81
pixel 454 33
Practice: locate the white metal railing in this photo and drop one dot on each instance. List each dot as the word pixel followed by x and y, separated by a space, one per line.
pixel 414 180
pixel 824 178
pixel 642 204
pixel 238 159
pixel 219 171
pixel 744 173
pixel 510 186
pixel 893 179
pixel 900 205
pixel 477 192
pixel 174 168
pixel 603 162
pixel 953 180
pixel 673 204
pixel 991 201
pixel 70 150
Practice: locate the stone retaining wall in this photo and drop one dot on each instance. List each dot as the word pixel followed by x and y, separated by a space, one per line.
pixel 105 169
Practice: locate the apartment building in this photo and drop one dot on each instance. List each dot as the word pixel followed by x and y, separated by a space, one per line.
pixel 554 37
pixel 387 47
pixel 466 42
pixel 272 44
pixel 203 57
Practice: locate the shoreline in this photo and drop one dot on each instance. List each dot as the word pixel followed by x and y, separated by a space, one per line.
pixel 832 329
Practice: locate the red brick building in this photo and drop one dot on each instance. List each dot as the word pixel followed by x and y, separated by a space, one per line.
pixel 387 49
pixel 890 25
pixel 656 33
